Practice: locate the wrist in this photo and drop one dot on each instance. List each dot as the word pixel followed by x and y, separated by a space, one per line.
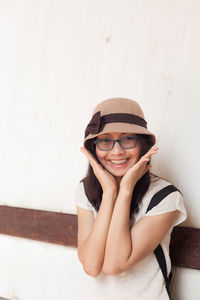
pixel 112 194
pixel 127 189
pixel 126 192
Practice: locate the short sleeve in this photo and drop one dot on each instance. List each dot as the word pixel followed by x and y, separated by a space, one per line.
pixel 81 199
pixel 172 202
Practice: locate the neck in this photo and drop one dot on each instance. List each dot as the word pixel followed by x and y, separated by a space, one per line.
pixel 118 179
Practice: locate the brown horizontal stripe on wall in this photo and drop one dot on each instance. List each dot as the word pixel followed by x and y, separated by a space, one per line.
pixel 45 226
pixel 61 228
pixel 185 247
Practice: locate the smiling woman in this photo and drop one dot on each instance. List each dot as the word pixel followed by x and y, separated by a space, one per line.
pixel 125 213
pixel 117 158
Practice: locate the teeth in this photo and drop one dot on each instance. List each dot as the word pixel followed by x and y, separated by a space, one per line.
pixel 119 162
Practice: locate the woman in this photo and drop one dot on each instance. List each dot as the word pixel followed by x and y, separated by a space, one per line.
pixel 116 235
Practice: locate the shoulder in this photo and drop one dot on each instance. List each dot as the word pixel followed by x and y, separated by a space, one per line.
pixel 157 183
pixel 80 188
pixel 170 202
pixel 80 197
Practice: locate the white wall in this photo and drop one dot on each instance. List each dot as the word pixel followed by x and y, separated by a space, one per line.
pixel 58 59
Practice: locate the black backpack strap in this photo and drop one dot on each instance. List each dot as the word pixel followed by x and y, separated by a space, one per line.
pixel 156 199
pixel 163 266
pixel 159 196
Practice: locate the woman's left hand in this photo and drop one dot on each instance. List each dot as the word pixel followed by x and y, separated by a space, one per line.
pixel 136 172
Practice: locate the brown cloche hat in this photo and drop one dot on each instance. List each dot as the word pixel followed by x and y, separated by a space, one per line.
pixel 117 115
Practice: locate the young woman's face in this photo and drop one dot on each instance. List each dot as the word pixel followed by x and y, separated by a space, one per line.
pixel 118 160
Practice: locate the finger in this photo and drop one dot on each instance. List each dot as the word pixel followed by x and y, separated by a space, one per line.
pixel 153 149
pixel 93 162
pixel 151 152
pixel 148 167
pixel 142 163
pixel 89 156
pixel 85 151
pixel 147 156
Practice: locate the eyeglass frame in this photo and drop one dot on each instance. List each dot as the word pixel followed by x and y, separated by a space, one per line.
pixel 119 142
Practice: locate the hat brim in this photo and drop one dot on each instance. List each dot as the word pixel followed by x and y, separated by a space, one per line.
pixel 123 128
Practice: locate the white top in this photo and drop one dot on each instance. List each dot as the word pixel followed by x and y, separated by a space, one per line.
pixel 144 280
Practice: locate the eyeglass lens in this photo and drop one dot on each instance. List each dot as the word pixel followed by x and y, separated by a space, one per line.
pixel 125 143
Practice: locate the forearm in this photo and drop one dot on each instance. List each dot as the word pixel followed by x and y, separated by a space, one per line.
pixel 119 243
pixel 92 251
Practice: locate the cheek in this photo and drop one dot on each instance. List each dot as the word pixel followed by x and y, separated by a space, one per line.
pixel 136 153
pixel 100 155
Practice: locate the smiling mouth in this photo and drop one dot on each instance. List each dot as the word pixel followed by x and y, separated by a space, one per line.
pixel 118 162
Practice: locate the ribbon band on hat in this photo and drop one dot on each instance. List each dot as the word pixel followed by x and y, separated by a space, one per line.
pixel 97 122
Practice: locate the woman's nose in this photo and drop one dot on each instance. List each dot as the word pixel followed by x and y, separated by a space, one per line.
pixel 117 148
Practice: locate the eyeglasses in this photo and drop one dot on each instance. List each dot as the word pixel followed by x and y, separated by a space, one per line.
pixel 106 144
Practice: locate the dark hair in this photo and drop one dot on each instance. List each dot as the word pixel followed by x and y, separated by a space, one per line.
pixel 93 188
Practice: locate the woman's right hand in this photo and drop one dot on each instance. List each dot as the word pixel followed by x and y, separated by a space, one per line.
pixel 107 181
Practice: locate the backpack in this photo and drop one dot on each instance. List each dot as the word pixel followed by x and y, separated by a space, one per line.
pixel 155 200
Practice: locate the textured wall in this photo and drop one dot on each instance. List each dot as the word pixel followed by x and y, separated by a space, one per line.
pixel 58 59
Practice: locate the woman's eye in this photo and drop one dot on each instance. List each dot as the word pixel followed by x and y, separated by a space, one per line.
pixel 104 140
pixel 128 138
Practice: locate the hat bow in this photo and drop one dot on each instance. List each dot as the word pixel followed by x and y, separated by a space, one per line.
pixel 95 125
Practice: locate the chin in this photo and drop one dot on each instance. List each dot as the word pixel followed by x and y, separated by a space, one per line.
pixel 119 173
